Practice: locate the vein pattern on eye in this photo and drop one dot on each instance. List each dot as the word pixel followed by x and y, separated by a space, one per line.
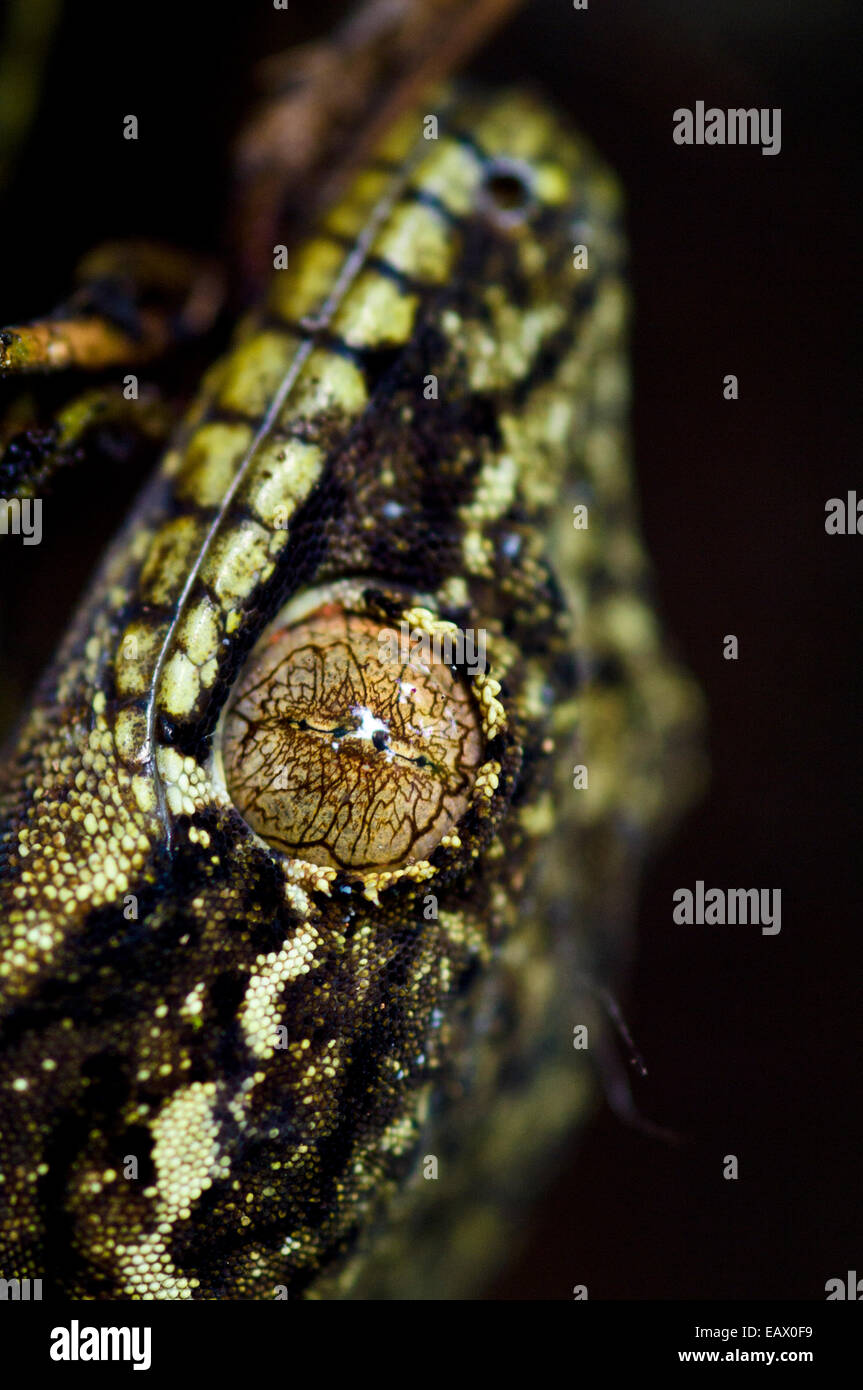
pixel 338 754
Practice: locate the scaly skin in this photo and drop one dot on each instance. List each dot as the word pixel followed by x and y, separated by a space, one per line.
pixel 160 1140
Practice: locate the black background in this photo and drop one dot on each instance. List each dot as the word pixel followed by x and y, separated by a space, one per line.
pixel 741 263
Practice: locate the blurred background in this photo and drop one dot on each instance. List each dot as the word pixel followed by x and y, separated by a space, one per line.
pixel 740 263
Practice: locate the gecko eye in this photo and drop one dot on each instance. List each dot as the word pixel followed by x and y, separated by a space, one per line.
pixel 340 751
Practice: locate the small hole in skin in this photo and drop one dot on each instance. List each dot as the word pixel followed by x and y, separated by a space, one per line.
pixel 508 192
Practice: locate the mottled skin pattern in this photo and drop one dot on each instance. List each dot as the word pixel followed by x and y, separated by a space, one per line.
pixel 222 1069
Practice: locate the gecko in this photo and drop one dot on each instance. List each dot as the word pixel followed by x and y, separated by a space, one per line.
pixel 297 900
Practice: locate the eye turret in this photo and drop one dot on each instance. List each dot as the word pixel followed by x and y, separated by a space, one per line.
pixel 342 753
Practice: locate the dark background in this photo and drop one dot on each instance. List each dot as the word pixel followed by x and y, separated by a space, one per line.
pixel 741 263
